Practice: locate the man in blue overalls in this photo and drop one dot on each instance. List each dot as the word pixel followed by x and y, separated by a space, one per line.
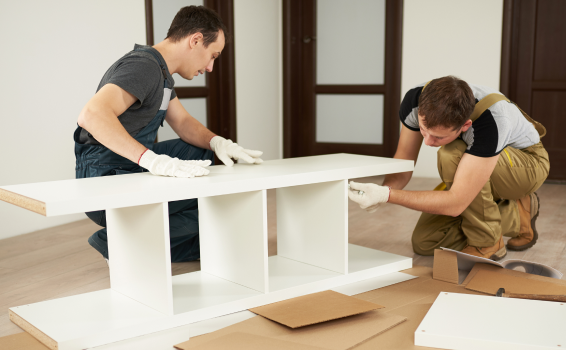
pixel 118 126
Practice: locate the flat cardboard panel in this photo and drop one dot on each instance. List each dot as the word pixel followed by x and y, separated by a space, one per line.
pixel 480 266
pixel 490 281
pixel 445 266
pixel 21 341
pixel 246 341
pixel 340 334
pixel 314 308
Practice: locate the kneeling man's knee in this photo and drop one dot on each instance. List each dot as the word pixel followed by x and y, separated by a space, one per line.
pixel 421 246
pixel 449 157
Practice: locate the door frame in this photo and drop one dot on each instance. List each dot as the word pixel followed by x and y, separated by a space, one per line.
pixel 296 14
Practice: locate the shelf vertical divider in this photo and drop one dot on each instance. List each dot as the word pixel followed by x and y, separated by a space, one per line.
pixel 312 224
pixel 233 238
pixel 140 256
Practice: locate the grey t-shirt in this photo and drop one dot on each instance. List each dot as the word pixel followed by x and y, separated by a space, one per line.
pixel 139 73
pixel 501 125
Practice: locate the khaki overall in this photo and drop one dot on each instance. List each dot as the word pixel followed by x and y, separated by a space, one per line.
pixel 494 212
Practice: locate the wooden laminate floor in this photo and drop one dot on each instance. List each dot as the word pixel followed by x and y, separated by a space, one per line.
pixel 58 261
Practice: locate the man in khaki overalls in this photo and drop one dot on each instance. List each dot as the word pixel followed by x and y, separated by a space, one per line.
pixel 491 161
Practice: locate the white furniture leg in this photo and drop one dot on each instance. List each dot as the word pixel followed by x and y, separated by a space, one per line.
pixel 140 256
pixel 312 224
pixel 233 238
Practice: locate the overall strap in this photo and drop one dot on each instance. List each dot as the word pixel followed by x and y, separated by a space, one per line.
pixel 491 99
pixel 485 103
pixel 162 65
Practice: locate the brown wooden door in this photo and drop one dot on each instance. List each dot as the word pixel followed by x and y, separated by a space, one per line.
pixel 534 69
pixel 301 91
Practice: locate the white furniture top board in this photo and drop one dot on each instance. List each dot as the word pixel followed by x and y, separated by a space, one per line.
pixel 470 322
pixel 108 192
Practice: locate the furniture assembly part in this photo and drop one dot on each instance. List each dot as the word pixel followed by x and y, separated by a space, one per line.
pixel 466 322
pixel 233 238
pixel 140 257
pixel 107 192
pixel 236 272
pixel 312 224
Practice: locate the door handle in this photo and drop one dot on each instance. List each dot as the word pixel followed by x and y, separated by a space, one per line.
pixel 307 39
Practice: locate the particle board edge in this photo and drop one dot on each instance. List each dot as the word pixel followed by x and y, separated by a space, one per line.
pixel 23 202
pixel 33 331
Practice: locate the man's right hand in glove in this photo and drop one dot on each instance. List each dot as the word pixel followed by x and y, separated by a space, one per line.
pixel 161 164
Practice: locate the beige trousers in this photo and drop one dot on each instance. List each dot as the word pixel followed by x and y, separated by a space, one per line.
pixel 494 211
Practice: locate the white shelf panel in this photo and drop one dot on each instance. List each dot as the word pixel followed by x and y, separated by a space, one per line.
pixel 199 290
pixel 468 322
pixel 286 273
pixel 97 317
pixel 109 192
pixel 364 260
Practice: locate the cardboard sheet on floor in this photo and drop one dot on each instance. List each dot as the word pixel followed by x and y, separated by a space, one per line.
pixel 489 282
pixel 459 321
pixel 21 341
pixel 314 308
pixel 340 334
pixel 466 262
pixel 246 341
pixel 489 267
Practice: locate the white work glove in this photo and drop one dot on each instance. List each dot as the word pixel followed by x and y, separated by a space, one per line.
pixel 226 149
pixel 161 164
pixel 368 196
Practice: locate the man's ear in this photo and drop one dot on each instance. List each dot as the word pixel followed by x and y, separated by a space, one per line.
pixel 466 125
pixel 195 39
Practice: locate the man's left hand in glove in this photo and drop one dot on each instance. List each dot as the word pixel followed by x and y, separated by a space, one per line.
pixel 226 150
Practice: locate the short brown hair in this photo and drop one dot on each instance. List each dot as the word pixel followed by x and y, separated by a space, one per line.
pixel 196 19
pixel 446 102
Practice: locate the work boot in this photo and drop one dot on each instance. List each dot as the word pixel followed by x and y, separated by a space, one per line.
pixel 528 213
pixel 495 252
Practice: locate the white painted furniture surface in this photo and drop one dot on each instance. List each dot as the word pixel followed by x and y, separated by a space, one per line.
pixel 470 322
pixel 236 273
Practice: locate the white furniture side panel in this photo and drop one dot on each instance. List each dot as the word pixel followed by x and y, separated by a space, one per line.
pixel 233 238
pixel 140 257
pixel 312 224
pixel 459 321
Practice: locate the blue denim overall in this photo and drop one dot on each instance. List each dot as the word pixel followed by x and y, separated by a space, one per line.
pixel 97 160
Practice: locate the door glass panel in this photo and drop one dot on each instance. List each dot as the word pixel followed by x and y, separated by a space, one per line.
pixel 163 14
pixel 349 118
pixel 195 106
pixel 350 42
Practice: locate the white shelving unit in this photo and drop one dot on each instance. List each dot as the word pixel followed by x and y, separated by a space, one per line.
pixel 236 273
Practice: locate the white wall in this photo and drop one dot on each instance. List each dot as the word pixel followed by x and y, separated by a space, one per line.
pixel 258 54
pixel 450 37
pixel 54 54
